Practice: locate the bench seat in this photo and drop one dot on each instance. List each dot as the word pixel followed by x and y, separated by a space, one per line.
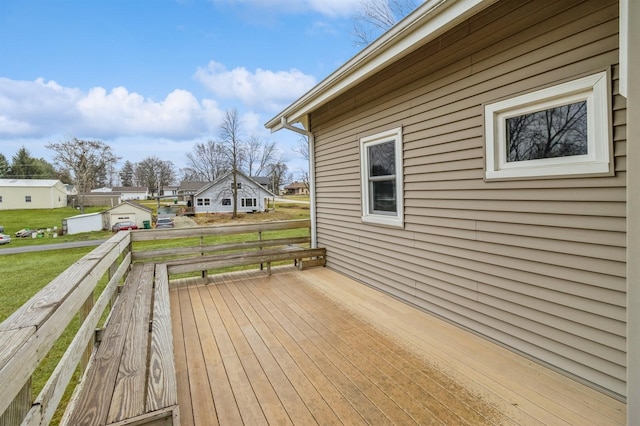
pixel 131 375
pixel 303 257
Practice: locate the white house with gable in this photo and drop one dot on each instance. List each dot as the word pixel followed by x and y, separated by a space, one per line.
pixel 217 197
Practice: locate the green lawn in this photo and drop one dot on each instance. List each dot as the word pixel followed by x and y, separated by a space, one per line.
pixel 15 220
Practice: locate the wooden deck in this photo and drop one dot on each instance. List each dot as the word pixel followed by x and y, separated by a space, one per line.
pixel 313 347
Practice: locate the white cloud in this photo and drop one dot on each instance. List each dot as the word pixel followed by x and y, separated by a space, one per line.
pixel 265 90
pixel 38 108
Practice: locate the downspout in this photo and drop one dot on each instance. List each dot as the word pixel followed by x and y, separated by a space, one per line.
pixel 312 176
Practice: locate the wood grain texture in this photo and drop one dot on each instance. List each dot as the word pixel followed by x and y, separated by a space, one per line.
pixel 161 383
pixel 316 347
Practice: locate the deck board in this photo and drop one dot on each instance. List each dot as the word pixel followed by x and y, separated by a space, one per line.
pixel 313 347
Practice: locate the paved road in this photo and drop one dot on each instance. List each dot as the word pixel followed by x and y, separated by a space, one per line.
pixel 45 247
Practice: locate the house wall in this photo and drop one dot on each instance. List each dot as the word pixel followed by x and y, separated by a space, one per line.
pixel 537 265
pixel 42 197
pixel 222 190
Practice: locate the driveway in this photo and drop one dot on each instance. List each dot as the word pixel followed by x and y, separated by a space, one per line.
pixel 45 247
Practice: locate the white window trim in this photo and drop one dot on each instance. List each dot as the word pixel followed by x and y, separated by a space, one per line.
pixel 593 89
pixel 393 135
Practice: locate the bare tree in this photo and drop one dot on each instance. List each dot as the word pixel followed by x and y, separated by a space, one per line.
pixel 231 138
pixel 556 132
pixel 154 174
pixel 207 162
pixel 260 155
pixel 374 17
pixel 303 149
pixel 278 175
pixel 85 161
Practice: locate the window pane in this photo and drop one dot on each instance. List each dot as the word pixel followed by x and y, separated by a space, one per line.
pixel 382 159
pixel 384 196
pixel 551 133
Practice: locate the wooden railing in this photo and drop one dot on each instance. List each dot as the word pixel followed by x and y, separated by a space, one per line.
pixel 28 334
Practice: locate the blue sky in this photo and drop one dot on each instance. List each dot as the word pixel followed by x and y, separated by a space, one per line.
pixel 154 77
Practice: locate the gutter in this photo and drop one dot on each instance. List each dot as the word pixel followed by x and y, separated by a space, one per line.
pixel 312 175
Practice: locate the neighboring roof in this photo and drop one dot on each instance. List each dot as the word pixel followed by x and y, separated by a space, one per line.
pixel 135 205
pixel 84 215
pixel 432 19
pixel 224 178
pixel 262 180
pixel 295 185
pixel 33 183
pixel 192 186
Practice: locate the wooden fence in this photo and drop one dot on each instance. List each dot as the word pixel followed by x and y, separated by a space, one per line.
pixel 28 334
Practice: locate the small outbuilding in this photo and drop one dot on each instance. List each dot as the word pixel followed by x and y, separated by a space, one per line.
pixel 83 223
pixel 127 211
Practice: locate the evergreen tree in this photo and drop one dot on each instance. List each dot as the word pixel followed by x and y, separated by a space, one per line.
pixel 127 174
pixel 24 166
pixel 4 166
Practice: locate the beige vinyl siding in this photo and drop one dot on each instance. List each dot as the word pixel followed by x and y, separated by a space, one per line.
pixel 537 265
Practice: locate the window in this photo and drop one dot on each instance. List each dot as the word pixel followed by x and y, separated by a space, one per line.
pixel 381 172
pixel 558 131
pixel 27 198
pixel 199 201
pixel 0 198
pixel 249 202
pixel 207 201
pixel 226 201
pixel 238 185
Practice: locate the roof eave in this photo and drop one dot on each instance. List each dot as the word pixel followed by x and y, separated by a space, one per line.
pixel 427 22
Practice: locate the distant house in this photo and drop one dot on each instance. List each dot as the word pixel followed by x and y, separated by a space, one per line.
pixel 431 181
pixel 187 188
pixel 170 190
pixel 297 188
pixel 131 192
pixel 32 194
pixel 95 199
pixel 217 197
pixel 127 211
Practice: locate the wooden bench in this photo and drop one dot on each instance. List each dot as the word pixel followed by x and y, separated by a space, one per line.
pixel 303 257
pixel 131 376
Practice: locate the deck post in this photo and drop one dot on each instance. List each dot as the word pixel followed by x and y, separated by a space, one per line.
pixel 260 248
pixel 85 311
pixel 19 407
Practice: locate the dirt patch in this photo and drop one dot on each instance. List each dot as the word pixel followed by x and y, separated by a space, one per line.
pixel 285 212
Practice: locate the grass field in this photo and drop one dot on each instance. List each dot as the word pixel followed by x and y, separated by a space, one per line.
pixel 14 220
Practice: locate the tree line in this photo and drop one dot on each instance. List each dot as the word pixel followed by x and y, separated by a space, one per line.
pixel 90 164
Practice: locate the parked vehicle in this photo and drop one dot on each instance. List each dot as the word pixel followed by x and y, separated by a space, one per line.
pixel 164 222
pixel 124 226
pixel 5 239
